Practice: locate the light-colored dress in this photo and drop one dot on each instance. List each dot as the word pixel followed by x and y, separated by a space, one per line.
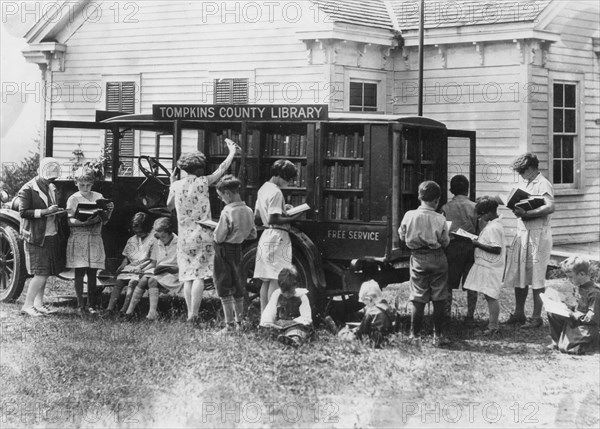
pixel 85 248
pixel 274 251
pixel 486 273
pixel 166 256
pixel 195 251
pixel 136 250
pixel 529 253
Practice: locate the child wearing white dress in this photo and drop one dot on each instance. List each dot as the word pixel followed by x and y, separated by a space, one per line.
pixel 85 248
pixel 136 258
pixel 163 271
pixel 487 271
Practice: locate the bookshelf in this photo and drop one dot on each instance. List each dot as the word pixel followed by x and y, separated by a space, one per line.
pixel 343 171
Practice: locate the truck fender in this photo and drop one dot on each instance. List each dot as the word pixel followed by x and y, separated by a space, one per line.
pixel 309 251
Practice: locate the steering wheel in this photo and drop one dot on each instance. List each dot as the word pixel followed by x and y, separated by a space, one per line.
pixel 153 172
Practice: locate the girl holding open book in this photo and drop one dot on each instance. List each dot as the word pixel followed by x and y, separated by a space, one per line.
pixel 85 248
pixel 485 275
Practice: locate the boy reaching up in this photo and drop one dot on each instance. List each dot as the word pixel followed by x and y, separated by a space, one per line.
pixel 425 233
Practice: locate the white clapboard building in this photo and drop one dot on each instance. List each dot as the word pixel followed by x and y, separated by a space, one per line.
pixel 523 74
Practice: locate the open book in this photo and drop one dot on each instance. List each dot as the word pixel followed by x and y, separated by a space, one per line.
pixel 298 209
pixel 208 223
pixel 523 199
pixel 555 307
pixel 84 211
pixel 464 234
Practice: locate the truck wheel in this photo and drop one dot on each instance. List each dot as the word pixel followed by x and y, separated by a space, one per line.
pixel 12 264
pixel 303 268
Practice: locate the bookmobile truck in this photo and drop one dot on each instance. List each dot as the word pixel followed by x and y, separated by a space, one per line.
pixel 359 172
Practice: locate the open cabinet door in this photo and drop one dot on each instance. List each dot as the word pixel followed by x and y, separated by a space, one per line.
pixel 462 158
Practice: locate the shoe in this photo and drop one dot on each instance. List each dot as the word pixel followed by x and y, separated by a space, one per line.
pixel 533 324
pixel 152 316
pixel 469 320
pixel 44 309
pixel 441 341
pixel 491 333
pixel 32 311
pixel 288 341
pixel 92 311
pixel 414 341
pixel 513 320
pixel 331 325
pixel 552 346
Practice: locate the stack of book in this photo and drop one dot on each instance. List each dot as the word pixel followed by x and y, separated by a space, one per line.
pixel 348 208
pixel 344 146
pixel 285 145
pixel 339 176
pixel 523 199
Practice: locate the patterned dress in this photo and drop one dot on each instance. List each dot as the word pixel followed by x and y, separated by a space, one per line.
pixel 85 248
pixel 195 250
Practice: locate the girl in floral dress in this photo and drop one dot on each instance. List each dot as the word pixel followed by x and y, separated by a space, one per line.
pixel 190 198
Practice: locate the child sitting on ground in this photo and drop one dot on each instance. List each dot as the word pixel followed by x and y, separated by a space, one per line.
pixel 578 333
pixel 486 274
pixel 288 310
pixel 426 235
pixel 163 269
pixel 379 316
pixel 236 224
pixel 136 258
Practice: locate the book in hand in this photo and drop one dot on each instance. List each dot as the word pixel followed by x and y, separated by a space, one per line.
pixel 84 211
pixel 282 324
pixel 207 223
pixel 556 307
pixel 464 234
pixel 298 209
pixel 524 200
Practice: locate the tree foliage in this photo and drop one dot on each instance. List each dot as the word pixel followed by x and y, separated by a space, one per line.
pixel 13 175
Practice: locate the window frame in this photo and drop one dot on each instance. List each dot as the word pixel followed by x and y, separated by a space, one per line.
pixel 576 79
pixel 377 77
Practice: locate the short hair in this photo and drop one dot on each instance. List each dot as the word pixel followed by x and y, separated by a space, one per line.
pixel 525 161
pixel 459 185
pixel 575 264
pixel 84 174
pixel 284 169
pixel 163 224
pixel 288 279
pixel 429 191
pixel 370 289
pixel 486 204
pixel 191 161
pixel 229 183
pixel 141 220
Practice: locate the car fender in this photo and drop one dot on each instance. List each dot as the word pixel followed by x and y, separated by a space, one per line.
pixel 305 245
pixel 10 217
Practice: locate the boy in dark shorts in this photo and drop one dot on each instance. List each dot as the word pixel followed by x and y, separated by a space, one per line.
pixel 461 212
pixel 426 233
pixel 236 224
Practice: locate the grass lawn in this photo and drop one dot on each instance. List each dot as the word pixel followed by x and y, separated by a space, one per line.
pixel 68 371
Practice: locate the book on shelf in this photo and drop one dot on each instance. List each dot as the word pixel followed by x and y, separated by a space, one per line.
pixel 285 145
pixel 84 211
pixel 523 199
pixel 216 141
pixel 298 209
pixel 464 234
pixel 344 145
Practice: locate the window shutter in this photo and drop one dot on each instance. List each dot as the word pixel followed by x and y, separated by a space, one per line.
pixel 231 91
pixel 120 97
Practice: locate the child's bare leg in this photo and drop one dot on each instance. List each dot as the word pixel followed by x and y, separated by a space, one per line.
pixel 130 288
pixel 439 317
pixel 153 296
pixel 266 290
pixel 494 308
pixel 115 293
pixel 416 318
pixel 137 294
pixel 195 298
pixel 79 273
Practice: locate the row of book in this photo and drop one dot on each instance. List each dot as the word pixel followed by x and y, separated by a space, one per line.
pixel 344 176
pixel 344 145
pixel 410 179
pixel 285 145
pixel 216 141
pixel 343 208
pixel 411 150
pixel 300 180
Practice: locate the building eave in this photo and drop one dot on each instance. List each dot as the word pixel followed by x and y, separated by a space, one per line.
pixel 350 33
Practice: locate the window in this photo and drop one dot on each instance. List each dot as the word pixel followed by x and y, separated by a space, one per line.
pixel 363 97
pixel 231 91
pixel 564 133
pixel 120 97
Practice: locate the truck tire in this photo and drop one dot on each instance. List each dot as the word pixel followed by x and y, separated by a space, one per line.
pixel 12 264
pixel 315 294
